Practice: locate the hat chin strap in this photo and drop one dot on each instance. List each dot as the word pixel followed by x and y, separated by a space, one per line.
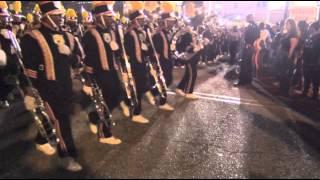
pixel 55 26
pixel 165 24
pixel 138 25
pixel 103 21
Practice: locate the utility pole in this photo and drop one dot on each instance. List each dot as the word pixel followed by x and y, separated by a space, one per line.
pixel 318 7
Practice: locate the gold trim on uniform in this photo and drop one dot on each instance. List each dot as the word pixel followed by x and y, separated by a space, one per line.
pixel 113 44
pixel 101 49
pixel 137 46
pixel 47 54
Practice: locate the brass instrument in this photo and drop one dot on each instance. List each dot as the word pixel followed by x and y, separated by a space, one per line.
pixel 42 114
pixel 196 45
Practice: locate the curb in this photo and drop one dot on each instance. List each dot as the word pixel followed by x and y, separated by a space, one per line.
pixel 260 88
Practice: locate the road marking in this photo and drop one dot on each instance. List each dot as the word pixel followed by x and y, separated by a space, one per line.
pixel 295 116
pixel 224 97
pixel 229 97
pixel 231 100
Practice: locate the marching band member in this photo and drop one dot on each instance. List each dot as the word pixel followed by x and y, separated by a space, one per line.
pixel 101 46
pixel 36 16
pixel 136 46
pixel 18 25
pixel 72 22
pixel 5 55
pixel 162 46
pixel 86 20
pixel 187 45
pixel 30 21
pixel 48 65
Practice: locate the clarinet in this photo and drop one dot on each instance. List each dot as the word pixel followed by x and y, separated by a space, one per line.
pixel 42 114
pixel 97 99
pixel 157 72
pixel 81 30
pixel 129 85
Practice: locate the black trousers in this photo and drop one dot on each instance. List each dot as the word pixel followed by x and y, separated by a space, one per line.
pixel 246 66
pixel 161 100
pixel 4 87
pixel 213 50
pixel 205 54
pixel 138 108
pixel 311 76
pixel 190 76
pixel 234 45
pixel 285 70
pixel 109 83
pixel 143 85
pixel 66 146
pixel 167 68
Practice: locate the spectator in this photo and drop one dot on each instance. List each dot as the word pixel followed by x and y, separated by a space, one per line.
pixel 311 57
pixel 288 45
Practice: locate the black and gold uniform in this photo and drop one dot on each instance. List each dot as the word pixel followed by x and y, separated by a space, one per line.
pixel 161 40
pixel 48 58
pixel 136 45
pixel 9 64
pixel 101 49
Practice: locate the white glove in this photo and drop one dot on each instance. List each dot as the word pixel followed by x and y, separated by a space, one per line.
pixel 30 103
pixel 87 90
pixel 125 77
pixel 5 33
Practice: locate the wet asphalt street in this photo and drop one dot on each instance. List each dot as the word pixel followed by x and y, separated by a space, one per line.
pixel 229 132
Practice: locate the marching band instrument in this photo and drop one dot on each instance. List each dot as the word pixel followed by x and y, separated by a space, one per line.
pixel 128 81
pixel 42 114
pixel 81 30
pixel 97 99
pixel 156 71
pixel 196 45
